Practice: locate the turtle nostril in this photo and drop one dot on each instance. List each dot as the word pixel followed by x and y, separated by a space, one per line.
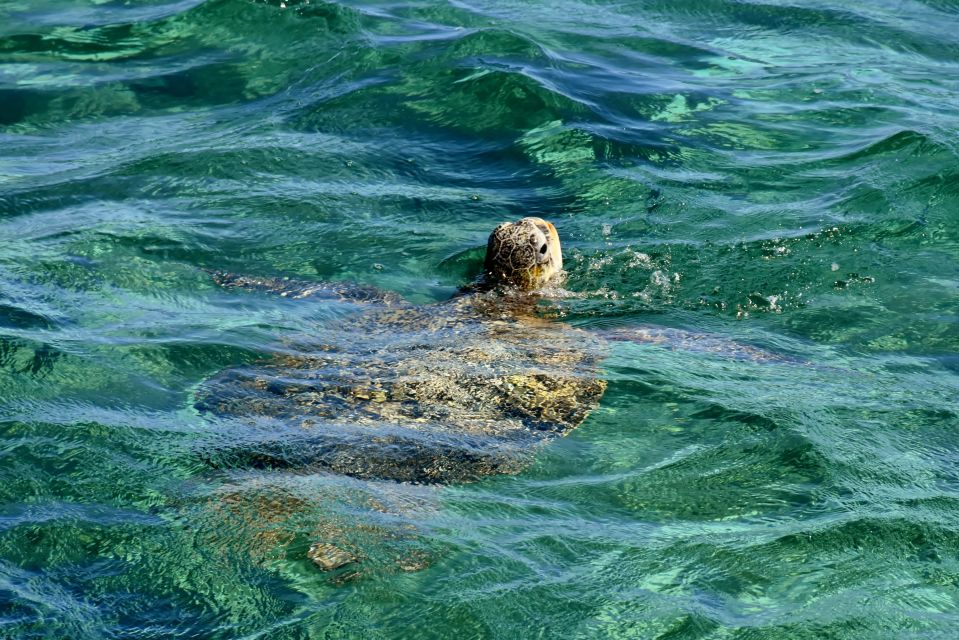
pixel 543 249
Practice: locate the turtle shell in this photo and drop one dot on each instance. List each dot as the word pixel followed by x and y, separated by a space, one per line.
pixel 434 394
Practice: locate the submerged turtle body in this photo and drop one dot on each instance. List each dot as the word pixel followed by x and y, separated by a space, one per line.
pixel 441 393
pixel 445 393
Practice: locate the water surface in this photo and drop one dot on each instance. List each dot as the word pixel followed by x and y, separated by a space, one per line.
pixel 783 175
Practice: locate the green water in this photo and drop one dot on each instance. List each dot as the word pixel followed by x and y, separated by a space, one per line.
pixel 778 174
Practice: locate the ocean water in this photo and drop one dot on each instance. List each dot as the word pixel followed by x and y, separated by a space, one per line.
pixel 782 175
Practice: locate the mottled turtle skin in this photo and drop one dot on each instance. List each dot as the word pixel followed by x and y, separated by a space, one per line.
pixel 524 254
pixel 443 393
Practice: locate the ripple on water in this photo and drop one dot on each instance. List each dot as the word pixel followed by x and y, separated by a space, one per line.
pixel 768 190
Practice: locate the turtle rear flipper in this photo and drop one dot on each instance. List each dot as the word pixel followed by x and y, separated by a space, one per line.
pixel 291 522
pixel 297 289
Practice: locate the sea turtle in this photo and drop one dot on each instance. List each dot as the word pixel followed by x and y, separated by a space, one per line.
pixel 442 393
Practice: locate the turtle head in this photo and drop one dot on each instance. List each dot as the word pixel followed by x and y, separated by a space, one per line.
pixel 524 254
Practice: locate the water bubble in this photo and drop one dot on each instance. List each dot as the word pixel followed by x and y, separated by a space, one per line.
pixel 659 278
pixel 599 263
pixel 639 259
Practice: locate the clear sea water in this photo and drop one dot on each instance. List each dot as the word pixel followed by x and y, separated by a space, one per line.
pixel 778 173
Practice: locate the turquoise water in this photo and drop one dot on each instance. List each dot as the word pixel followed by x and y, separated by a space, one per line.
pixel 783 175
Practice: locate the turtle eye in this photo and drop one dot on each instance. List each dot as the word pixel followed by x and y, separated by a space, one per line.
pixel 543 249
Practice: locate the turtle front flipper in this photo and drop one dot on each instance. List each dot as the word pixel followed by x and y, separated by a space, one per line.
pixel 296 289
pixel 681 339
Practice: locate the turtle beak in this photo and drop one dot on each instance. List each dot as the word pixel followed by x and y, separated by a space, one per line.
pixel 554 247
